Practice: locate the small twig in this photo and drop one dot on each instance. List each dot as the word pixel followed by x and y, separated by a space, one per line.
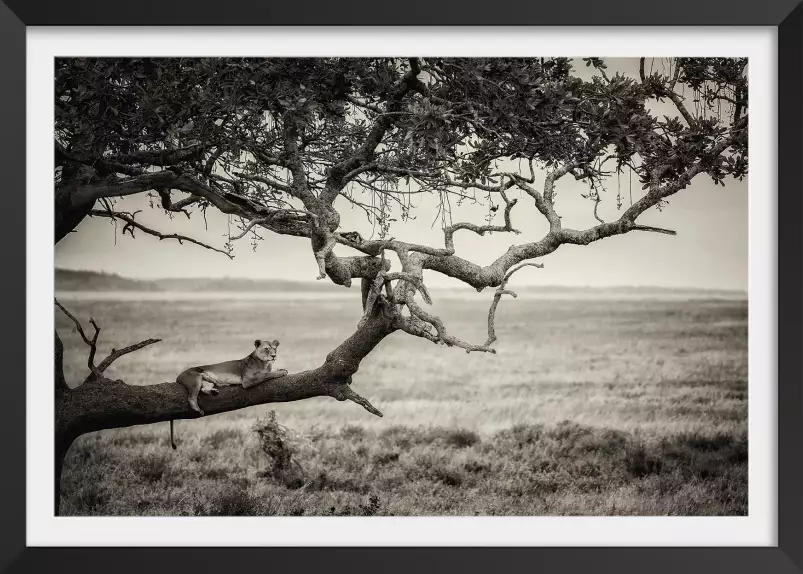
pixel 654 229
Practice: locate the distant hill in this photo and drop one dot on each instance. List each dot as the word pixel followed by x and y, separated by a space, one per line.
pixel 74 280
pixel 232 284
pixel 71 280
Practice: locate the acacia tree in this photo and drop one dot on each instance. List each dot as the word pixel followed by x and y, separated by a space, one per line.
pixel 281 145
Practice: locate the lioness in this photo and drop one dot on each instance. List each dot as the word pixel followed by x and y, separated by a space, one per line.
pixel 248 372
pixel 252 370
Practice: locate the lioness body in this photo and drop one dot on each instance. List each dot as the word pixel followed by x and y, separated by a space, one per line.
pixel 252 370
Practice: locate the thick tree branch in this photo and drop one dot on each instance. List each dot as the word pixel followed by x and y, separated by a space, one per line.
pixel 101 403
pixel 166 179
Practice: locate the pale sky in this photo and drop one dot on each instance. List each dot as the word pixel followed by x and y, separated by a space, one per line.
pixel 709 251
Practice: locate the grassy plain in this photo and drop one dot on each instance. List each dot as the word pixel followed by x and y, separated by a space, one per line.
pixel 590 407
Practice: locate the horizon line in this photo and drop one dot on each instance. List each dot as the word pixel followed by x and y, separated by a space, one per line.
pixel 315 282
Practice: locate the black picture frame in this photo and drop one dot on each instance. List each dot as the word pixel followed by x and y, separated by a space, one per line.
pixel 786 15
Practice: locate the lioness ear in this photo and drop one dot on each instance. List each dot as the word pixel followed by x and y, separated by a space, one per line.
pixel 257 343
pixel 276 343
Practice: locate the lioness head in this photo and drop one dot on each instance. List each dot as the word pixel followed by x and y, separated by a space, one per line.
pixel 265 350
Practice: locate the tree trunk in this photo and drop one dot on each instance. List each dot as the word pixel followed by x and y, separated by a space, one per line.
pixel 68 216
pixel 63 440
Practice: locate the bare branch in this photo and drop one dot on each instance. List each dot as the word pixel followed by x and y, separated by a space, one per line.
pixel 98 370
pixel 117 353
pixel 91 342
pixel 502 290
pixel 653 229
pixel 442 336
pixel 131 224
pixel 481 229
pixel 78 326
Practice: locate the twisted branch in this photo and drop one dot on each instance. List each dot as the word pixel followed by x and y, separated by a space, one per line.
pixel 502 290
pixel 482 229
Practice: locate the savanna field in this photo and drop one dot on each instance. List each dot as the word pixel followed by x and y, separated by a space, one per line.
pixel 590 407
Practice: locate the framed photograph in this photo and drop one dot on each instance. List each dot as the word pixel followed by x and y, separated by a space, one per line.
pixel 425 290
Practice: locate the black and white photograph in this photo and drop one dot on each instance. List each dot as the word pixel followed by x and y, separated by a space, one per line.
pixel 401 286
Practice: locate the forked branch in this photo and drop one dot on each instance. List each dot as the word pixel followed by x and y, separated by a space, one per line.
pixel 97 370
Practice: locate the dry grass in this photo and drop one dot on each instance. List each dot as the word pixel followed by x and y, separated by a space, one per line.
pixel 656 392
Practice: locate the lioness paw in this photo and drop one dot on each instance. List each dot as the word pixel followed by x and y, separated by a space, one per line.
pixel 282 371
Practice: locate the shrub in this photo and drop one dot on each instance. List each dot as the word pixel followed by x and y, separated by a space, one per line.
pixel 274 443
